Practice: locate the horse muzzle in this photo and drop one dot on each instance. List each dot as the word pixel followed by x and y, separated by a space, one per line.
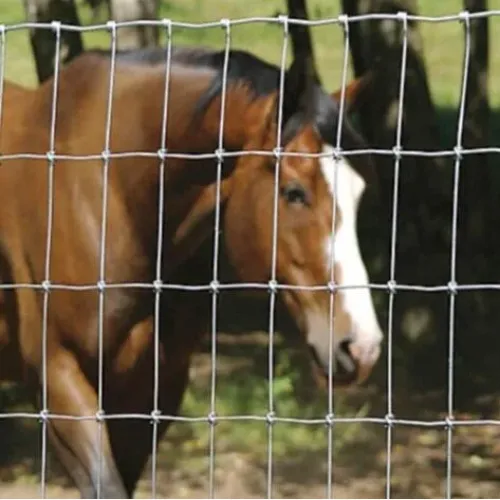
pixel 352 363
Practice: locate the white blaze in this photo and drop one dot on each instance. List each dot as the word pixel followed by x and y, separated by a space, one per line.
pixel 346 187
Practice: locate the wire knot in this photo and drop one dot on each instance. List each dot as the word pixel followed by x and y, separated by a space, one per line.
pixel 452 287
pixel 270 418
pixel 225 23
pixel 99 416
pixel 56 26
pixel 283 19
pixel 111 26
pixel 273 286
pixel 155 416
pixel 162 154
pixel 101 286
pixel 158 286
pixel 344 21
pixel 329 419
pixel 219 154
pixel 212 418
pixel 51 156
pixel 44 415
pixel 214 286
pixel 464 17
pixel 389 420
pixel 46 285
pixel 396 151
pixel 392 286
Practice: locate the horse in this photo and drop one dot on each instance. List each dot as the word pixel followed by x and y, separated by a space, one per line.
pixel 317 210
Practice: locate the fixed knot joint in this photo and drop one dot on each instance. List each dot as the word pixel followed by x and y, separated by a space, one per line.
pixel 167 23
pixel 51 156
pixel 272 286
pixel 392 286
pixel 329 419
pixel 283 19
pixel 99 416
pixel 162 154
pixel 212 418
pixel 219 154
pixel 271 418
pixel 458 150
pixel 449 422
pixel 396 151
pixel 56 26
pixel 155 416
pixel 225 23
pixel 43 416
pixel 389 420
pixel 101 286
pixel 464 17
pixel 344 21
pixel 158 286
pixel 215 286
pixel 106 155
pixel 46 286
pixel 452 287
pixel 403 17
pixel 277 152
pixel 111 26
pixel 332 287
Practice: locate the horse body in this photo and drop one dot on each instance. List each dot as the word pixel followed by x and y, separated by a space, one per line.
pixel 247 190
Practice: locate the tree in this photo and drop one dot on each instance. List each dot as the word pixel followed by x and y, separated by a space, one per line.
pixel 476 177
pixel 43 41
pixel 133 37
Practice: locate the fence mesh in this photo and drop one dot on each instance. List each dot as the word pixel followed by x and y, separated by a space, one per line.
pixel 391 287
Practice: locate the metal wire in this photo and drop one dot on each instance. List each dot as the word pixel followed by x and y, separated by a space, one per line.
pixel 56 26
pixel 159 254
pixel 158 286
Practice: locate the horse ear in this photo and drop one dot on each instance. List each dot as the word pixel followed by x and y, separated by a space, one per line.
pixel 198 224
pixel 355 91
pixel 299 84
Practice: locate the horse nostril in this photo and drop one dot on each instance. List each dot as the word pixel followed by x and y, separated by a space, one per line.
pixel 344 357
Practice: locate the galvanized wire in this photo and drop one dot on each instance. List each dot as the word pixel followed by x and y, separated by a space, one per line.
pixel 157 287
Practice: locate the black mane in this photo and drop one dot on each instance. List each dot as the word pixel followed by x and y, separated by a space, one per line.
pixel 261 78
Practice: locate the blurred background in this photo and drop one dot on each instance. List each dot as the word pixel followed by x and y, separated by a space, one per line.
pixel 421 319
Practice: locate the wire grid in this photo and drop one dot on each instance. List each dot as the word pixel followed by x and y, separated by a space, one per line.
pixel 397 152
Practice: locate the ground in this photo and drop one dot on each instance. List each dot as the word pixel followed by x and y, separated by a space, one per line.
pixel 418 455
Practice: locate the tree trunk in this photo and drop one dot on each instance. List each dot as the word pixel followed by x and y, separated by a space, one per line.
pixel 425 186
pixel 134 37
pixel 477 180
pixel 43 41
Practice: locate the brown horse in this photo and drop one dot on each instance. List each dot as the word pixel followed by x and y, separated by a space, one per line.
pixel 309 195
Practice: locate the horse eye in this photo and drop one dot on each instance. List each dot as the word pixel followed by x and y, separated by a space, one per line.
pixel 294 193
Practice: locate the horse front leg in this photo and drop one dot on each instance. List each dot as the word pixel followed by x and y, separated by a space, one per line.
pixel 132 438
pixel 76 442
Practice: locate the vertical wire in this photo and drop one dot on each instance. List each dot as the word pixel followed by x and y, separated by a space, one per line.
pixel 332 293
pixel 225 23
pixel 56 26
pixel 102 251
pixel 464 17
pixel 273 283
pixel 2 69
pixel 158 276
pixel 403 16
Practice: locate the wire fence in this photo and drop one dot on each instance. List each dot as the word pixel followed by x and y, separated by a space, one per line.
pixel 390 420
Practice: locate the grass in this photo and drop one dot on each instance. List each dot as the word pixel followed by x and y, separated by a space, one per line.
pixel 243 392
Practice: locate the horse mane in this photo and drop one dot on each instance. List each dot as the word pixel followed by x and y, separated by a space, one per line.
pixel 259 77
